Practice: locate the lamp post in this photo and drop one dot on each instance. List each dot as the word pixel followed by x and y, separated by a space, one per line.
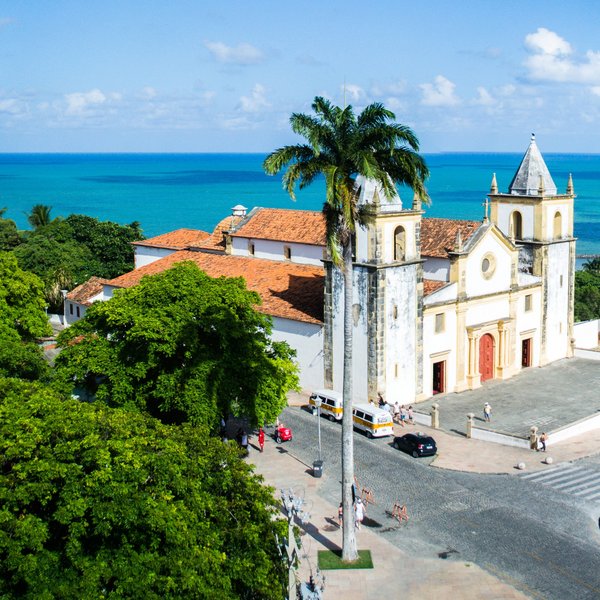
pixel 318 402
pixel 292 505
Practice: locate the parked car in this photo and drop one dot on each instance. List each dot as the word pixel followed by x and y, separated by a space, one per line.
pixel 282 434
pixel 417 444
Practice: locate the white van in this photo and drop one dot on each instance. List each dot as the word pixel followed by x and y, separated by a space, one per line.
pixel 332 404
pixel 374 421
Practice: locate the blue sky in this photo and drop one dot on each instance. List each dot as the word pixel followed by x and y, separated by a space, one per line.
pixel 198 76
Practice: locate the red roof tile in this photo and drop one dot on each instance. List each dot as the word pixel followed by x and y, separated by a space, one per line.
pixel 288 290
pixel 180 239
pixel 83 293
pixel 284 225
pixel 438 236
pixel 216 240
pixel 431 285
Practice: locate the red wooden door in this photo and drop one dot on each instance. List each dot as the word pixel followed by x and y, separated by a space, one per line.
pixel 486 357
pixel 526 353
pixel 438 377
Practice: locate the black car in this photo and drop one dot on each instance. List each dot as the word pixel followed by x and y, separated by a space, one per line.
pixel 417 444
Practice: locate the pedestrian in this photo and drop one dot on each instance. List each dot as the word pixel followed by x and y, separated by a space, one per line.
pixel 244 441
pixel 487 412
pixel 543 440
pixel 359 513
pixel 371 402
pixel 403 415
pixel 397 411
pixel 261 438
pixel 340 514
pixel 411 415
pixel 380 400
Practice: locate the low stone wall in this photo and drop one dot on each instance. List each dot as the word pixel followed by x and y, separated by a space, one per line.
pixel 574 429
pixel 587 354
pixel 499 438
pixel 422 418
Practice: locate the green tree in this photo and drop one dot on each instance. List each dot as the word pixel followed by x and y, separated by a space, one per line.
pixel 97 502
pixel 9 236
pixel 587 295
pixel 183 346
pixel 39 216
pixel 22 319
pixel 340 147
pixel 592 266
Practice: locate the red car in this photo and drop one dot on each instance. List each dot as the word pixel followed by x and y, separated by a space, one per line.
pixel 282 434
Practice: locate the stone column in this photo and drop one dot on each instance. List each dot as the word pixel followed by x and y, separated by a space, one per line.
pixel 533 437
pixel 435 416
pixel 470 423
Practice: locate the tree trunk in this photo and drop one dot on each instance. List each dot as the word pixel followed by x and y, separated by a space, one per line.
pixel 349 551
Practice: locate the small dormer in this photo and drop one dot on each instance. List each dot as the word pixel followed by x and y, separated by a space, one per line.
pixel 391 233
pixel 533 210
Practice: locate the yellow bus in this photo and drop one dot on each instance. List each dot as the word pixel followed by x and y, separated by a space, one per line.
pixel 375 422
pixel 332 404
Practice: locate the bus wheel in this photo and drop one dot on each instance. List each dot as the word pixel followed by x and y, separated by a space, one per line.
pixel 331 418
pixel 369 435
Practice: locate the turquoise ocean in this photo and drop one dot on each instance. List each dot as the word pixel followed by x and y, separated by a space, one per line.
pixel 168 191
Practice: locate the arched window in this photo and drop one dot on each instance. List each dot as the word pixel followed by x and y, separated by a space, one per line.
pixel 557 225
pixel 516 225
pixel 399 243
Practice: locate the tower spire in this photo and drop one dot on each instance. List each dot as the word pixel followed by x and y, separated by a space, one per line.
pixel 541 187
pixel 570 189
pixel 494 185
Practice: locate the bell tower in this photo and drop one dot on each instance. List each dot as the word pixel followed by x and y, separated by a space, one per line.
pixel 388 300
pixel 539 221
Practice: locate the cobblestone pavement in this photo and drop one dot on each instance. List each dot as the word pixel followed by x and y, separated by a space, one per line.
pixel 548 397
pixel 526 535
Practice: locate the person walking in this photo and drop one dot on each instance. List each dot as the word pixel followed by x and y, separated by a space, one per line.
pixel 411 415
pixel 261 438
pixel 359 513
pixel 397 411
pixel 403 415
pixel 244 441
pixel 487 412
pixel 340 515
pixel 380 400
pixel 543 440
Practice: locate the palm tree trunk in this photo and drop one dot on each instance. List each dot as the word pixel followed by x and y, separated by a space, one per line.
pixel 349 551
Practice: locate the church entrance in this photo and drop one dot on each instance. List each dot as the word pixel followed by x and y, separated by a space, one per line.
pixel 486 357
pixel 439 369
pixel 526 353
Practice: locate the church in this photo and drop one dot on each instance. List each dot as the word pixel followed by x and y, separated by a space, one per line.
pixel 440 305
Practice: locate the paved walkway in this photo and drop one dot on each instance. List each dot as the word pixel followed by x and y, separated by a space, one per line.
pixel 548 397
pixel 395 574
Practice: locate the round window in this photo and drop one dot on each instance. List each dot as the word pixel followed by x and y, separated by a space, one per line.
pixel 488 265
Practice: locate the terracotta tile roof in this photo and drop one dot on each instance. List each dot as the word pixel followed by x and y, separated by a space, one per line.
pixel 438 236
pixel 284 225
pixel 216 240
pixel 180 239
pixel 83 293
pixel 288 290
pixel 431 285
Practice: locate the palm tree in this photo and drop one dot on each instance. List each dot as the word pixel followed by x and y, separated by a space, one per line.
pixel 39 216
pixel 342 146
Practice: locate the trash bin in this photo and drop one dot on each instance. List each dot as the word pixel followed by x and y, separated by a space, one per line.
pixel 317 468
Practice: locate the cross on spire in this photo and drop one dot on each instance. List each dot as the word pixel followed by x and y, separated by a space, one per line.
pixel 486 204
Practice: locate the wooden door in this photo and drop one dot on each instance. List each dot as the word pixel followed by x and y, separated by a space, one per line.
pixel 526 353
pixel 438 377
pixel 486 357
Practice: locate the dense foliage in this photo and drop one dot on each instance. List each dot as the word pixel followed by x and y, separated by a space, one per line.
pixel 184 347
pixel 9 236
pixel 22 319
pixel 66 252
pixel 97 502
pixel 587 291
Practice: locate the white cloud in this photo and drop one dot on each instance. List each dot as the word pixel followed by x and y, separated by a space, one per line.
pixel 148 92
pixel 552 59
pixel 484 98
pixel 353 92
pixel 10 106
pixel 439 93
pixel 243 54
pixel 79 102
pixel 596 90
pixel 256 101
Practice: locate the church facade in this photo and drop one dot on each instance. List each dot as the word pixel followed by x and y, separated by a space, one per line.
pixel 440 305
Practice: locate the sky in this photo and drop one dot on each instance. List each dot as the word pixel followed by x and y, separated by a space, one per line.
pixel 199 76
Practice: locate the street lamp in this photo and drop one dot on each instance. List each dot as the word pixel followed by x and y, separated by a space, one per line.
pixel 292 505
pixel 318 402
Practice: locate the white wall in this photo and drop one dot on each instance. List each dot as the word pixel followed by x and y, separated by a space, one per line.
pixel 307 340
pixel 557 340
pixel 71 312
pixel 586 334
pixel 476 283
pixel 144 255
pixel 437 269
pixel 439 346
pixel 566 226
pixel 305 254
pixel 527 212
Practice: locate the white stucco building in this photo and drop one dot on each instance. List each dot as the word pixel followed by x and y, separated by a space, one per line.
pixel 439 304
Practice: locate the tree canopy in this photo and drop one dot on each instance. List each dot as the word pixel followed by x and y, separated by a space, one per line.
pixel 67 252
pixel 184 347
pixel 587 294
pixel 97 502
